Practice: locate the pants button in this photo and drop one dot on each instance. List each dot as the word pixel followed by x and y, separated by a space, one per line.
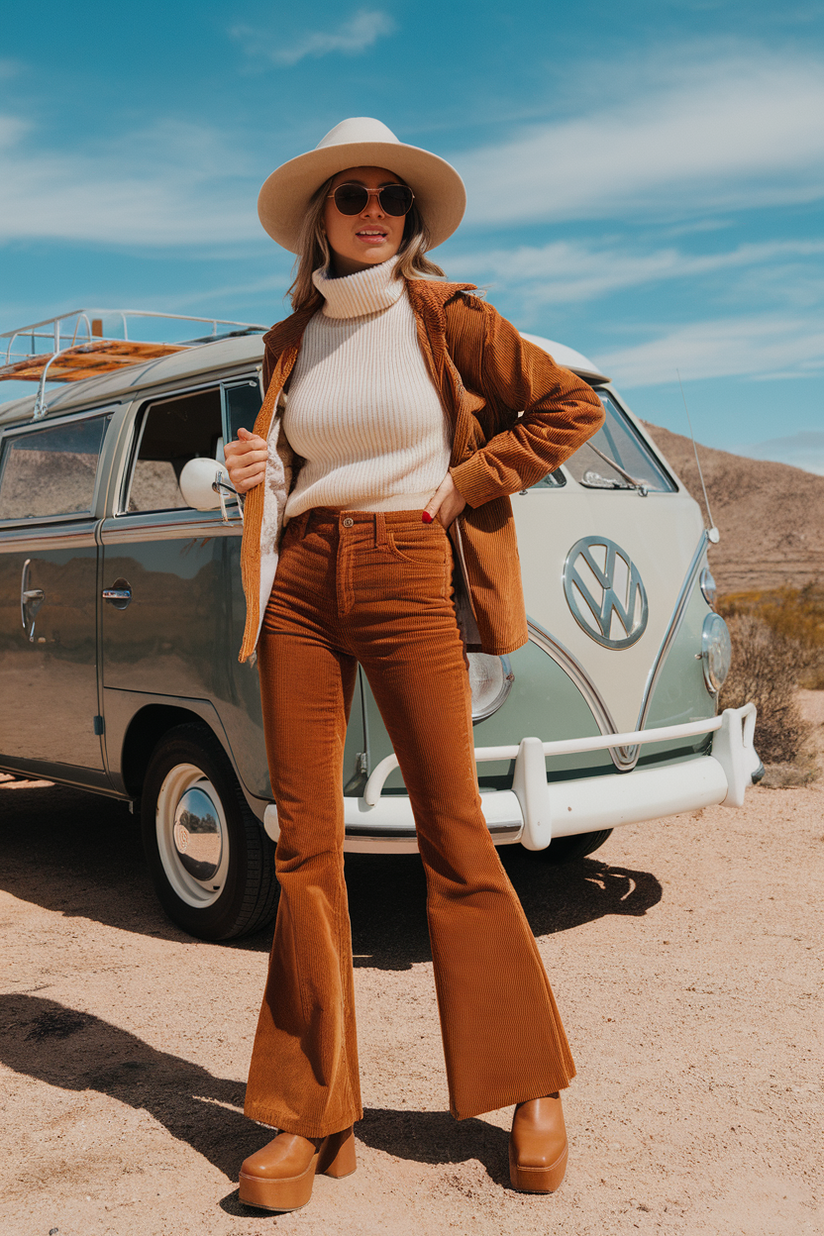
pixel 348 523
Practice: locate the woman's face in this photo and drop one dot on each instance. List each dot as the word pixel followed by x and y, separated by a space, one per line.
pixel 360 241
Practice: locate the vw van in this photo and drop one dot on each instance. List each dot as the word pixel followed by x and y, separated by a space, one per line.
pixel 121 614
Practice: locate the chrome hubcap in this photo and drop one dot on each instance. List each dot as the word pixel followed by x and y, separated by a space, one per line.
pixel 197 834
pixel 192 836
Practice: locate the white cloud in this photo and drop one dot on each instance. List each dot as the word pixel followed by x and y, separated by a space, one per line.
pixel 171 184
pixel 565 272
pixel 704 138
pixel 747 346
pixel 357 34
pixel 738 131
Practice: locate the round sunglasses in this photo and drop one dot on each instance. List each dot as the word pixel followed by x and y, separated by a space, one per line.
pixel 351 198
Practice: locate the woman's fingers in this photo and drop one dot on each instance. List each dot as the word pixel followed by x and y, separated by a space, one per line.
pixel 245 441
pixel 246 460
pixel 245 479
pixel 446 503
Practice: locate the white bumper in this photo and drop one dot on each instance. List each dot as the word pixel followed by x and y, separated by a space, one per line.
pixel 535 810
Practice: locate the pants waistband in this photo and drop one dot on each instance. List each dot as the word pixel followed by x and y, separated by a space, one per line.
pixel 342 521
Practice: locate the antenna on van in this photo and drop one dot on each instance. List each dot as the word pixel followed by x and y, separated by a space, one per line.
pixel 713 533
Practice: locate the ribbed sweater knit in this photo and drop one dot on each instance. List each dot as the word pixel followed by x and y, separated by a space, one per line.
pixel 362 411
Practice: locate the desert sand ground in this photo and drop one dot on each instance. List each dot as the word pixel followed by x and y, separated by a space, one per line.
pixel 683 955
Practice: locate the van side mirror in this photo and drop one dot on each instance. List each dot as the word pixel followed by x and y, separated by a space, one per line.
pixel 201 482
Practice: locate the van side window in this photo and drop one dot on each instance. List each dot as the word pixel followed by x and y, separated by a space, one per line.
pixel 552 480
pixel 51 470
pixel 618 442
pixel 243 402
pixel 172 432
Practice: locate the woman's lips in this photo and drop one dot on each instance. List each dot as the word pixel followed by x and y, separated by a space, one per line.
pixel 371 238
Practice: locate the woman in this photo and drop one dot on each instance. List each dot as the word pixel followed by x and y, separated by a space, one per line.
pixel 392 414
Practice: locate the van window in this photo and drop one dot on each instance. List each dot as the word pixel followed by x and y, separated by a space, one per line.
pixel 243 402
pixel 617 442
pixel 552 480
pixel 51 470
pixel 172 432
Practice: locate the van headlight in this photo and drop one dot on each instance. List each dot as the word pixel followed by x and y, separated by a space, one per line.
pixel 490 679
pixel 716 652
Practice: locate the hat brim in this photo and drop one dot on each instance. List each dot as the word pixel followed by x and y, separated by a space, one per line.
pixel 285 196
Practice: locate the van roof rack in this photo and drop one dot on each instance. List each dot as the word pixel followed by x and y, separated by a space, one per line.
pixel 78 347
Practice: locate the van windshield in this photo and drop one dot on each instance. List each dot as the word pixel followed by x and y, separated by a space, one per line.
pixel 617 443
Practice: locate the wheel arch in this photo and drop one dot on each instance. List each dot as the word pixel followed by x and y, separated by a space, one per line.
pixel 145 730
pixel 149 724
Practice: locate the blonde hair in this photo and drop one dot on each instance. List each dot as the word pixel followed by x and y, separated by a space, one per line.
pixel 314 252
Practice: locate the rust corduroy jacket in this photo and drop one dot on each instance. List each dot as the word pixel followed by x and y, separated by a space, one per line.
pixel 515 416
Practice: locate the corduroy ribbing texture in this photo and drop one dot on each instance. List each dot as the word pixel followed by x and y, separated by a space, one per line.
pixel 377 589
pixel 362 411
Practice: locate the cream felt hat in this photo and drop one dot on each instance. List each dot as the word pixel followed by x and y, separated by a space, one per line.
pixel 361 142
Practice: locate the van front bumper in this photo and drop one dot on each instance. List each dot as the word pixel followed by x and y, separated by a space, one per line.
pixel 536 810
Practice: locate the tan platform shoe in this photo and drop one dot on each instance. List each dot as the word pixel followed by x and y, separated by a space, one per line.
pixel 281 1175
pixel 538 1147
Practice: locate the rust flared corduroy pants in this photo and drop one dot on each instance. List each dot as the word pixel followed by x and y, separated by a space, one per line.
pixel 376 588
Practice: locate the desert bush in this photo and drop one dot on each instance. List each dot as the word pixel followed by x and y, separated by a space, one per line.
pixel 767 667
pixel 795 615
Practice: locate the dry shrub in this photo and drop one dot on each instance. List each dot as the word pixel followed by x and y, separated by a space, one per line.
pixel 778 646
pixel 765 669
pixel 794 615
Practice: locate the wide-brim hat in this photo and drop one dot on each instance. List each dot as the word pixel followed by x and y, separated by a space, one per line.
pixel 361 142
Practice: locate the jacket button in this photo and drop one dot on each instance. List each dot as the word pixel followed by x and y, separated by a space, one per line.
pixel 348 523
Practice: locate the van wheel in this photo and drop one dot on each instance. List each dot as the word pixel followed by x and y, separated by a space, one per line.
pixel 212 865
pixel 570 849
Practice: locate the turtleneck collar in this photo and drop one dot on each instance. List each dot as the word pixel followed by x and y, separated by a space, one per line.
pixel 354 296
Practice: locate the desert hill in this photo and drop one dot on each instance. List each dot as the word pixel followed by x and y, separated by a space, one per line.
pixel 770 516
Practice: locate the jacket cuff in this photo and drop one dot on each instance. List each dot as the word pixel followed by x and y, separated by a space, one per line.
pixel 473 482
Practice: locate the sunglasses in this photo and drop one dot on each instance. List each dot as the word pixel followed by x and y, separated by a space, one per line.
pixel 351 199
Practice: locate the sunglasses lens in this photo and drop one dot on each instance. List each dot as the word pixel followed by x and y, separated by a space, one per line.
pixel 351 199
pixel 396 199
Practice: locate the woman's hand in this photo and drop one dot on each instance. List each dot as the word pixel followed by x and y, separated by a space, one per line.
pixel 446 503
pixel 246 460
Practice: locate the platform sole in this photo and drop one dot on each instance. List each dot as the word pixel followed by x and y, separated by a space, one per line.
pixel 335 1157
pixel 537 1179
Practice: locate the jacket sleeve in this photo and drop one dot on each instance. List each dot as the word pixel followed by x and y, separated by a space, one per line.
pixel 538 413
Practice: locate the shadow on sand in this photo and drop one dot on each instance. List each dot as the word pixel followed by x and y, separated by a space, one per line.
pixel 80 855
pixel 76 1051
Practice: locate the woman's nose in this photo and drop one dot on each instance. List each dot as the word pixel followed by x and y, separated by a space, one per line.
pixel 373 208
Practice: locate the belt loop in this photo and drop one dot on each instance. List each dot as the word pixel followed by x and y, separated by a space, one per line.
pixel 380 530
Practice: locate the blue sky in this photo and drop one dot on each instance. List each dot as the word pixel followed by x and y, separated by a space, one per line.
pixel 645 179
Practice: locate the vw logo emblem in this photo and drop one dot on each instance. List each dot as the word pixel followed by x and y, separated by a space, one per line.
pixel 605 593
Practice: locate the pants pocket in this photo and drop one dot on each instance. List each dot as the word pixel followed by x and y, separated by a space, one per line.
pixel 418 546
pixel 426 556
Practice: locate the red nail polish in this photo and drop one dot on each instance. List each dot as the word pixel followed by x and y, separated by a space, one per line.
pixel 426 517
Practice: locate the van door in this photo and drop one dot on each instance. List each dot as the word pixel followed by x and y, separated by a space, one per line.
pixel 173 612
pixel 48 593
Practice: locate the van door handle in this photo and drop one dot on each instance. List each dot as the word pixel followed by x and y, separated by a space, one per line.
pixel 119 595
pixel 33 594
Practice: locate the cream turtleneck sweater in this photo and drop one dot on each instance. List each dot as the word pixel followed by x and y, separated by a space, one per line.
pixel 362 410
